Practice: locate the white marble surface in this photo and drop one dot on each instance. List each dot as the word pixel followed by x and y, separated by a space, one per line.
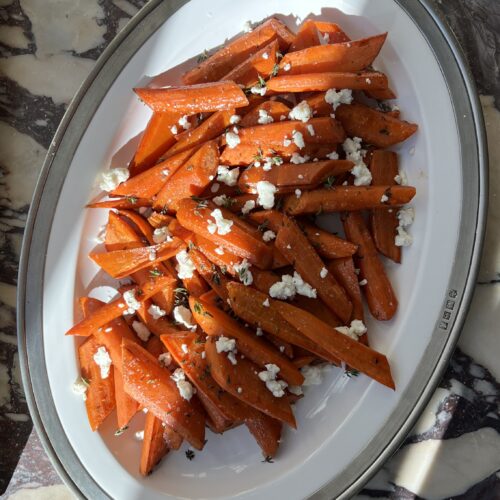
pixel 47 49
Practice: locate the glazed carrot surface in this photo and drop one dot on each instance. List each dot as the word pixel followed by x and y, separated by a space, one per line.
pixel 231 286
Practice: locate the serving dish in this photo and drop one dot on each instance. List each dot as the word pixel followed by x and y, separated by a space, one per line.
pixel 345 435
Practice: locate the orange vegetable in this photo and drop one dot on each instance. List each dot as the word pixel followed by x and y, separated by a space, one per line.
pixel 352 352
pixel 378 291
pixel 296 248
pixel 253 391
pixel 235 52
pixel 172 438
pixel 121 203
pixel 307 36
pixel 318 104
pixel 341 198
pixel 309 82
pixel 210 273
pixel 142 225
pixel 334 32
pixel 384 168
pixel 191 179
pixel 196 285
pixel 274 109
pixel 217 323
pixel 238 241
pixel 154 447
pixel 327 244
pixel 382 94
pixel 158 219
pixel 126 407
pixel 200 98
pixel 374 127
pixel 347 56
pixel 150 384
pixel 157 326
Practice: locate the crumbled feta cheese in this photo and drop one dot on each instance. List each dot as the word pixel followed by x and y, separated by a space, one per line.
pixel 258 90
pixel 326 37
pixel 240 390
pixel 312 132
pixel 248 206
pixel 232 139
pixel 110 180
pixel 185 267
pixel 313 375
pixel 184 122
pixel 259 332
pixel 264 117
pixel 141 330
pixel 302 287
pixel 265 191
pixel 247 27
pixel 282 348
pixel 222 200
pixel 243 270
pixel 165 172
pixel 354 331
pixel 183 316
pixel 156 311
pixel 368 81
pixel 277 387
pixel 302 112
pixel 173 129
pixel 298 139
pixel 271 161
pixel 282 118
pixel 203 355
pixel 139 435
pixel 268 235
pixel 287 142
pixel 401 179
pixel 287 67
pixel 297 159
pixel 80 387
pixel 165 359
pixel 224 344
pixel 384 198
pixel 235 119
pixel 227 176
pixel 219 250
pixel 131 301
pixel 363 282
pixel 406 217
pixel 221 226
pixel 152 254
pixel 343 96
pixel 323 273
pixel 298 193
pixel 300 176
pixel 232 358
pixel 214 187
pixel 295 389
pixel 161 234
pixel 289 286
pixel 354 153
pixel 186 390
pixel 102 359
pixel 265 56
pixel 184 348
pixel 266 303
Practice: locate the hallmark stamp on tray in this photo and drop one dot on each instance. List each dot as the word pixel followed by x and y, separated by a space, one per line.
pixel 448 308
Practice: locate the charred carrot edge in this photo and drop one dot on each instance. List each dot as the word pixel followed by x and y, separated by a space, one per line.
pixel 378 290
pixel 348 198
pixel 154 447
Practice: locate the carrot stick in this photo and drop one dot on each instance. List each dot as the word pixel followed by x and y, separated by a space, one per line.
pixel 150 384
pixel 210 273
pixel 334 32
pixel 207 130
pixel 126 406
pixel 154 447
pixel 147 183
pixel 121 263
pixel 384 168
pixel 344 272
pixel 248 304
pixel 327 244
pixel 238 241
pixel 253 391
pixel 217 323
pixel 100 394
pixel 382 94
pixel 157 138
pixel 301 254
pixel 274 109
pixel 288 177
pixel 340 198
pixel 352 352
pixel 121 203
pixel 190 179
pixel 318 104
pixel 200 98
pixel 119 234
pixel 307 36
pixel 374 127
pixel 196 285
pixel 142 225
pixel 159 219
pixel 238 202
pixel 235 52
pixel 378 290
pixel 259 64
pixel 317 308
pixel 157 326
pixel 348 56
pixel 309 82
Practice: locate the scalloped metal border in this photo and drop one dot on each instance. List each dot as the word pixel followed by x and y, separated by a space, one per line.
pixel 66 140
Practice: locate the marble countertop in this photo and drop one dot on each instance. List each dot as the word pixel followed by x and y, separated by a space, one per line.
pixel 46 50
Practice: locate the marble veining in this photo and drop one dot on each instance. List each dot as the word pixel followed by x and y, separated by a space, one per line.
pixel 46 50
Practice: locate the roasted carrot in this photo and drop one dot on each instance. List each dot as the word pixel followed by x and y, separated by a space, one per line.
pixel 238 241
pixel 310 82
pixel 307 36
pixel 190 179
pixel 378 290
pixel 127 203
pixel 195 285
pixel 347 56
pixel 318 104
pixel 334 32
pixel 317 308
pixel 150 384
pixel 126 406
pixel 294 245
pixel 217 323
pixel 155 140
pixel 273 109
pixel 139 222
pixel 235 52
pixel 156 325
pixel 121 263
pixel 327 244
pixel 200 98
pixel 352 352
pixel 172 437
pixel 261 64
pixel 238 202
pixel 373 126
pixel 147 183
pixel 382 95
pixel 384 168
pixel 253 391
pixel 340 198
pixel 159 219
pixel 210 273
pixel 154 447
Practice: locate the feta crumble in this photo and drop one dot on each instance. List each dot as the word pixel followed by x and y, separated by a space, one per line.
pixel 152 254
pixel 219 251
pixel 80 387
pixel 268 235
pixel 363 282
pixel 232 139
pixel 227 176
pixel 265 192
pixel 298 159
pixel 186 390
pixel 235 119
pixel 257 90
pixel 141 330
pixel 161 234
pixel 264 117
pixel 277 387
pixel 343 96
pixel 302 112
pixel 243 270
pixel 259 332
pixel 298 139
pixel 131 301
pixel 406 216
pixel 221 226
pixel 298 193
pixel 287 67
pixel 266 303
pixel 183 316
pixel 247 27
pixel 323 273
pixel 110 180
pixel 384 198
pixel 287 142
pixel 265 56
pixel 224 344
pixel 156 311
pixel 295 389
pixel 313 375
pixel 312 132
pixel 165 359
pixel 401 178
pixel 173 129
pixel 102 359
pixel 354 153
pixel 185 267
pixel 289 286
pixel 248 206
pixel 184 122
pixel 139 435
pixel 221 200
pixel 354 331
